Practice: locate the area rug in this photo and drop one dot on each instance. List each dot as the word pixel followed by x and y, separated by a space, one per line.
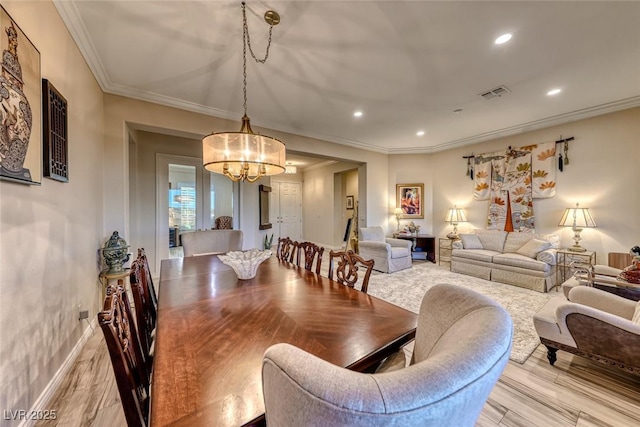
pixel 407 287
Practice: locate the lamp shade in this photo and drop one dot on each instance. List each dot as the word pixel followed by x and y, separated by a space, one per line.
pixel 398 211
pixel 577 217
pixel 455 215
pixel 243 154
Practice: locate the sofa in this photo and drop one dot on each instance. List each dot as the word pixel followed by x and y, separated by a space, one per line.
pixel 390 255
pixel 520 259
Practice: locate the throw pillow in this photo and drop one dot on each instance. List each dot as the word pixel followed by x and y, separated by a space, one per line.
pixel 533 247
pixel 470 241
pixel 548 256
pixel 492 240
pixel 554 239
pixel 515 241
pixel 636 314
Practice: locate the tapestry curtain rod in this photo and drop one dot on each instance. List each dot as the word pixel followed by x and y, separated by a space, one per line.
pixel 559 141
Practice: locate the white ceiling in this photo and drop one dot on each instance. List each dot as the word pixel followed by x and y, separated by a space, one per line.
pixel 406 64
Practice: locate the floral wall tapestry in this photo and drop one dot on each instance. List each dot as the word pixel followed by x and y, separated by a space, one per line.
pixel 511 206
pixel 511 180
pixel 543 171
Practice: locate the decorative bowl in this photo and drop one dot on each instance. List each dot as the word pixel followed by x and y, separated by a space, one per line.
pixel 245 263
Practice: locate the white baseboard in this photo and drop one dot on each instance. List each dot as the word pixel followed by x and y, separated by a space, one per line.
pixel 42 403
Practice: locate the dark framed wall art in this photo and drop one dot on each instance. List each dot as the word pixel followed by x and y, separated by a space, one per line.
pixel 54 137
pixel 21 106
pixel 350 202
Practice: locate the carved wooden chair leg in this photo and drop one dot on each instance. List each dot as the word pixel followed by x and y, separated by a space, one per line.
pixel 551 354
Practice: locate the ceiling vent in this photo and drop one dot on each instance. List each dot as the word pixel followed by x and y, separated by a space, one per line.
pixel 497 92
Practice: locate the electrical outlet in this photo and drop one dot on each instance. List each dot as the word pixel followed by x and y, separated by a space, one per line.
pixel 83 314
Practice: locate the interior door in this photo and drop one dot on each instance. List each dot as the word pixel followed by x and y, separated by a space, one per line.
pixel 286 209
pixel 291 210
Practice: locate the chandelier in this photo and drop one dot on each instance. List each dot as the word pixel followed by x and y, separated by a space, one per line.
pixel 245 155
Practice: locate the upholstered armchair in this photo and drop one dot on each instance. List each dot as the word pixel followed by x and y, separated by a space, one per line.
pixel 389 254
pixel 463 342
pixel 595 324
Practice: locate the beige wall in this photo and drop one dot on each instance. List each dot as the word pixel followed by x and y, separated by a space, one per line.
pixel 602 175
pixel 122 114
pixel 50 234
pixel 324 204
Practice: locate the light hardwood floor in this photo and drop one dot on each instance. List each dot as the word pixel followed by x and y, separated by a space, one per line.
pixel 574 392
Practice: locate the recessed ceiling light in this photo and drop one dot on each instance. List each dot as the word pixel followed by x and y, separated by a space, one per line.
pixel 503 38
pixel 554 92
pixel 420 133
pixel 357 114
pixel 457 110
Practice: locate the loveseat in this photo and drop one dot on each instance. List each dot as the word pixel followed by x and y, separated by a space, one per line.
pixel 520 259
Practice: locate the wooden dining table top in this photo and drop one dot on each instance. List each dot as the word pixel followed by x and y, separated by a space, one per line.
pixel 213 330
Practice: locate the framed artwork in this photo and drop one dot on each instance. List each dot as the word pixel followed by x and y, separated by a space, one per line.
pixel 54 137
pixel 409 197
pixel 21 106
pixel 349 202
pixel 264 207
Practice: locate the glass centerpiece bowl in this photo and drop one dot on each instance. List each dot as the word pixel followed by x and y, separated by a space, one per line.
pixel 245 263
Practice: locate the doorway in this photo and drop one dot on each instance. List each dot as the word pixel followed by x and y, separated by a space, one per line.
pixel 285 209
pixel 188 198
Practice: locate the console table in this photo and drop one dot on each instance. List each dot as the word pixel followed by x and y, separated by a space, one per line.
pixel 423 246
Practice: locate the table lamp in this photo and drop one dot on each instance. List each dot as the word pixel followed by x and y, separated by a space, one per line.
pixel 398 213
pixel 577 218
pixel 454 216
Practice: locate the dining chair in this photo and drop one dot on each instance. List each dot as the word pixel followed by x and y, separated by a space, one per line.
pixel 146 275
pixel 205 242
pixel 286 249
pixel 224 223
pixel 347 267
pixel 145 312
pixel 126 355
pixel 307 253
pixel 462 345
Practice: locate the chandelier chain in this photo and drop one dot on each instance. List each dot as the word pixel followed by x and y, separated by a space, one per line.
pixel 246 41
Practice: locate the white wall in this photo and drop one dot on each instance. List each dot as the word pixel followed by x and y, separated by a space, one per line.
pixel 50 234
pixel 412 169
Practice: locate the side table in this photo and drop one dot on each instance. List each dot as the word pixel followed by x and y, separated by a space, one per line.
pixel 423 246
pixel 444 250
pixel 564 258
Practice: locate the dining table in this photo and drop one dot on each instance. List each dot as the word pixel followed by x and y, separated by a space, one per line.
pixel 213 329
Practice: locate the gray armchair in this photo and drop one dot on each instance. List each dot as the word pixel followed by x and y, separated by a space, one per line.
pixel 463 341
pixel 390 255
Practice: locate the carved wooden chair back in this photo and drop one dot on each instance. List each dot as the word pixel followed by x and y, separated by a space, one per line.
pixel 308 252
pixel 224 223
pixel 286 249
pixel 145 310
pixel 146 276
pixel 346 265
pixel 126 355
